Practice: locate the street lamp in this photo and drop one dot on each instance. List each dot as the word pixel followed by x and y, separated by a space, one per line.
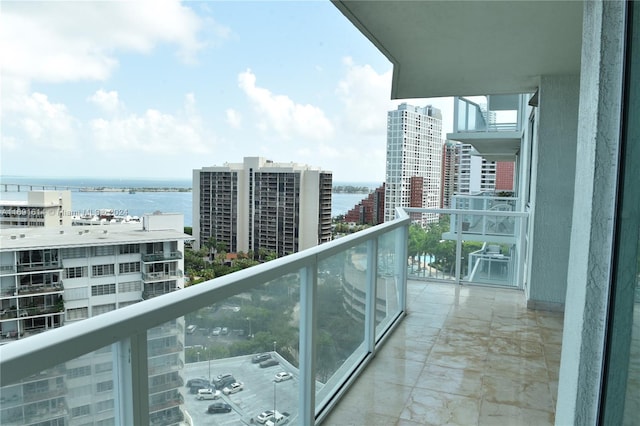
pixel 209 360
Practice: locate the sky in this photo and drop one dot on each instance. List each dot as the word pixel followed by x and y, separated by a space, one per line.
pixel 155 89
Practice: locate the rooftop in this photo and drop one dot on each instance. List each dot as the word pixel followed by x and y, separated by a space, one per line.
pixel 78 236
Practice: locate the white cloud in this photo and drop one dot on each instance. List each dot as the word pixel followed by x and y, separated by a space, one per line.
pixel 153 132
pixel 70 41
pixel 42 123
pixel 107 101
pixel 234 118
pixel 365 96
pixel 280 114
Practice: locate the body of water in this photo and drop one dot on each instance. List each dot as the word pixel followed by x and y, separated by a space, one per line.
pixel 139 203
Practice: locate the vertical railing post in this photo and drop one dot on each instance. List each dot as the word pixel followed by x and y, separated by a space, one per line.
pixel 308 308
pixel 131 380
pixel 371 295
pixel 458 250
pixel 402 248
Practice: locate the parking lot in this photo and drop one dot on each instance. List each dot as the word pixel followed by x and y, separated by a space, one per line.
pixel 257 396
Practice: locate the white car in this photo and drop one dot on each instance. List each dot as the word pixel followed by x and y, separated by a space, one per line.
pixel 208 394
pixel 265 415
pixel 233 388
pixel 282 376
pixel 278 419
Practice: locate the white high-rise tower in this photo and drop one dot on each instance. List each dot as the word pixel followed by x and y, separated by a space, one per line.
pixel 414 159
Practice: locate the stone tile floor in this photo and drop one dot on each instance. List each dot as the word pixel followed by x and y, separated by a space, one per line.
pixel 464 355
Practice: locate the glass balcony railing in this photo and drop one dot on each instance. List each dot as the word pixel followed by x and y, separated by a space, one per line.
pixel 497 221
pixel 470 116
pixel 447 250
pixel 158 257
pixel 318 315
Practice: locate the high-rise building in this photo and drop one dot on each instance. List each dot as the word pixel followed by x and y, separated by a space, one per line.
pixel 42 208
pixel 475 173
pixel 54 276
pixel 414 159
pixel 450 152
pixel 368 211
pixel 505 174
pixel 259 204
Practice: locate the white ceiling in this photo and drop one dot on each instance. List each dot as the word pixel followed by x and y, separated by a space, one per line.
pixel 448 48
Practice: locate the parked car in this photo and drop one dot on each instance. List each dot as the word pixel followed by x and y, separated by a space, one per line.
pixel 260 357
pixel 216 331
pixel 224 331
pixel 198 381
pixel 223 380
pixel 208 394
pixel 233 388
pixel 268 363
pixel 278 419
pixel 219 407
pixel 282 376
pixel 265 415
pixel 196 388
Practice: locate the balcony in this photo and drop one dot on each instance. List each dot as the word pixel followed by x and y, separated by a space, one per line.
pixel 493 127
pixel 159 257
pixel 463 355
pixel 325 312
pixel 161 276
pixel 486 218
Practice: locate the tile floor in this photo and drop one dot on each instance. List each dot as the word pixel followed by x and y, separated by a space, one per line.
pixel 462 356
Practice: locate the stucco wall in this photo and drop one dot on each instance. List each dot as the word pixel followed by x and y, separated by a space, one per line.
pixel 554 177
pixel 590 269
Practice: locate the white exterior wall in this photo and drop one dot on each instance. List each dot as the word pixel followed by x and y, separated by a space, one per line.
pixel 592 245
pixel 553 175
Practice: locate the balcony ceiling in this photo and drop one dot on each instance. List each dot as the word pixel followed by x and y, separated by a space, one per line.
pixel 457 48
pixel 493 146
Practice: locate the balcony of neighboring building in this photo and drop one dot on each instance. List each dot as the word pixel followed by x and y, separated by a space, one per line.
pixel 492 124
pixel 161 256
pixel 171 274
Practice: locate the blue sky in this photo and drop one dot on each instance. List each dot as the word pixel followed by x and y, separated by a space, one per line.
pixel 157 88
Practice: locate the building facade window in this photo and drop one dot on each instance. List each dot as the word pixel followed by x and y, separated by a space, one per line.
pixel 102 289
pixel 75 272
pixel 129 286
pixel 74 252
pixel 102 270
pixel 74 373
pixel 101 309
pixel 129 268
pixel 129 249
pixel 77 313
pixel 104 250
pixel 104 386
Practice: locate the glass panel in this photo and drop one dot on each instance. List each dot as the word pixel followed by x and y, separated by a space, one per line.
pixel 387 281
pixel 430 255
pixel 77 391
pixel 341 300
pixel 462 116
pixel 632 396
pixel 249 339
pixel 621 387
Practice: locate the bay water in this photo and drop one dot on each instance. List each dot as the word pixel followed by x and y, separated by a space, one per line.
pixel 140 202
